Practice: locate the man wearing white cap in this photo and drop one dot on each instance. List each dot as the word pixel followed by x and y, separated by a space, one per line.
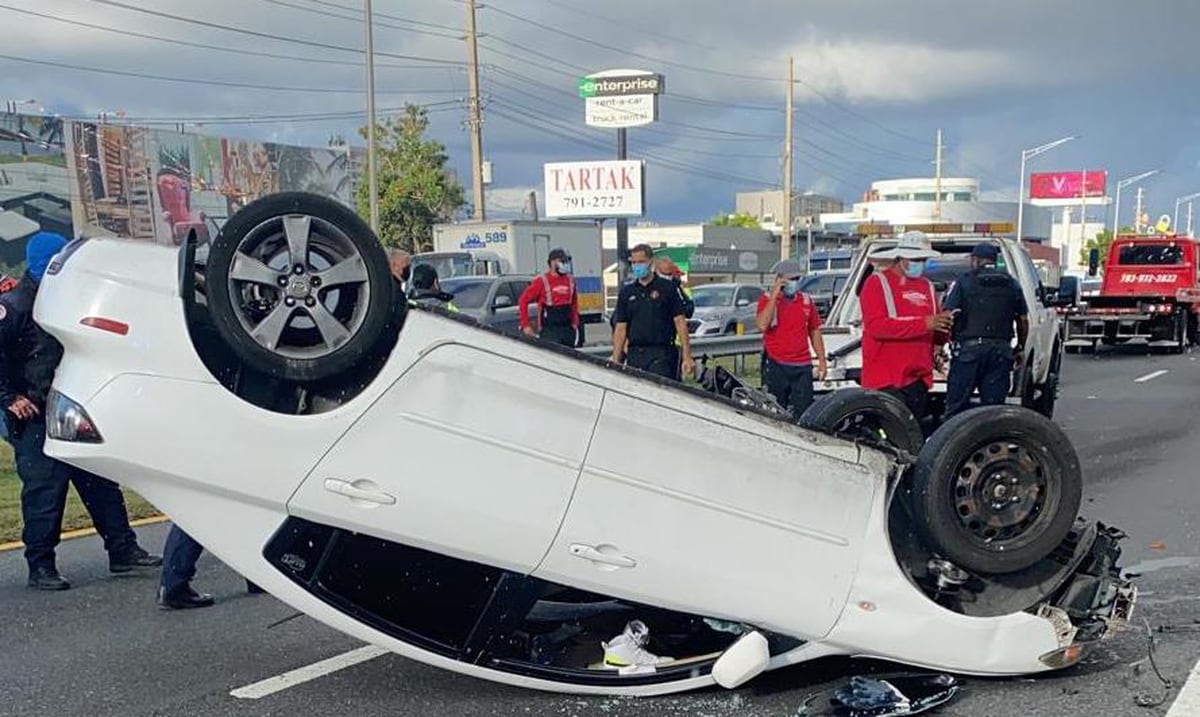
pixel 902 324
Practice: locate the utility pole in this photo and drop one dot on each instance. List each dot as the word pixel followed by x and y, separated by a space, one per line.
pixel 474 121
pixel 1082 212
pixel 372 173
pixel 786 238
pixel 937 182
pixel 1137 213
pixel 1189 221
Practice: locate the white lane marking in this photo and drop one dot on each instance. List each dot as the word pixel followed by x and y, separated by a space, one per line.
pixel 1150 376
pixel 1187 702
pixel 300 675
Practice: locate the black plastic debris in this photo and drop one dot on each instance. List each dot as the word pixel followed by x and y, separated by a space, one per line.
pixel 886 696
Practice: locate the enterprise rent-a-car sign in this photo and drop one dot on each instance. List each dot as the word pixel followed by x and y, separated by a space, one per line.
pixel 595 189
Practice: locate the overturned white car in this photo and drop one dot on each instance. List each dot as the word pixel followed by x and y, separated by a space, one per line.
pixel 498 507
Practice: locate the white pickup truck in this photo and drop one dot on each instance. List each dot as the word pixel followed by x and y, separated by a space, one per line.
pixel 1035 387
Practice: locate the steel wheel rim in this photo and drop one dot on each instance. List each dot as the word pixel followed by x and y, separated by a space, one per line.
pixel 1000 493
pixel 289 280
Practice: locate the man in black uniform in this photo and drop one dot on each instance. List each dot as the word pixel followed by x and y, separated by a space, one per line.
pixel 988 302
pixel 28 358
pixel 650 315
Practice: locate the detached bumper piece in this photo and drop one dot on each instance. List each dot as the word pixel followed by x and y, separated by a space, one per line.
pixel 885 696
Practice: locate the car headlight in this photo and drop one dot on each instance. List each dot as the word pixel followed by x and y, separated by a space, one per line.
pixel 67 421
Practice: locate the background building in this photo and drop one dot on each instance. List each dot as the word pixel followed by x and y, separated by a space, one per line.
pixel 767 207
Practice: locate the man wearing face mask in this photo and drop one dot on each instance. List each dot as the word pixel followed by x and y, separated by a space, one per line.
pixel 902 323
pixel 650 315
pixel 791 329
pixel 557 302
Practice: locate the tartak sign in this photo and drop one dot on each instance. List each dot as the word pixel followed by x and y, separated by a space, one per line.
pixel 595 189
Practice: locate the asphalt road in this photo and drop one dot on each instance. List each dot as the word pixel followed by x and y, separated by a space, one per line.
pixel 103 649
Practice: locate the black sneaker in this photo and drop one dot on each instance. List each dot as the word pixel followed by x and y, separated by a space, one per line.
pixel 184 599
pixel 47 579
pixel 133 559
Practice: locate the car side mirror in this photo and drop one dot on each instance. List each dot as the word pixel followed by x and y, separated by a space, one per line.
pixel 742 661
pixel 502 301
pixel 742 303
pixel 1093 261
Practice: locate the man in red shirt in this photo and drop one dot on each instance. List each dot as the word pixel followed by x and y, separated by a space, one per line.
pixel 557 302
pixel 791 329
pixel 902 323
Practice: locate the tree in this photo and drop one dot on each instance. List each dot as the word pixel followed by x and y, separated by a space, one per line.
pixel 415 189
pixel 739 219
pixel 1102 241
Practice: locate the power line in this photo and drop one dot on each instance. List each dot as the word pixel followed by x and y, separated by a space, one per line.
pixel 266 35
pixel 215 48
pixel 233 119
pixel 326 13
pixel 195 81
pixel 397 18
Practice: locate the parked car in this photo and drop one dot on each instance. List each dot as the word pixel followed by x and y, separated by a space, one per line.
pixel 1037 383
pixel 823 288
pixel 721 308
pixel 490 300
pixel 486 503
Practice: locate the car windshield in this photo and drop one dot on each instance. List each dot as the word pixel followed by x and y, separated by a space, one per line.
pixel 713 295
pixel 1150 255
pixel 469 293
pixel 943 270
pixel 447 265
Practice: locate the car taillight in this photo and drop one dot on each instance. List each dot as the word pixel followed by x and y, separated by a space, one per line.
pixel 67 421
pixel 1062 657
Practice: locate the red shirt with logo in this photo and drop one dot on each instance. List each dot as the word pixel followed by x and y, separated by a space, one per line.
pixel 786 339
pixel 897 350
pixel 561 304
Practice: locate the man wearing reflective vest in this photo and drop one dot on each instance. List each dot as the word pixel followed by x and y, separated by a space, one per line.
pixel 557 301
pixel 902 323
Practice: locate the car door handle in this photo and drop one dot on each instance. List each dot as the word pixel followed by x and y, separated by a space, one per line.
pixel 358 492
pixel 603 555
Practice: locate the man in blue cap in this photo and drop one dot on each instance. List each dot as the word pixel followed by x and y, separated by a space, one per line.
pixel 28 359
pixel 988 302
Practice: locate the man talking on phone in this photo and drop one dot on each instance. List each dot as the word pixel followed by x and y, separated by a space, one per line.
pixel 989 302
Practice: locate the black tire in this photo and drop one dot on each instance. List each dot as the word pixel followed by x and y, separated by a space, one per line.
pixel 1023 462
pixel 346 313
pixel 871 416
pixel 1047 393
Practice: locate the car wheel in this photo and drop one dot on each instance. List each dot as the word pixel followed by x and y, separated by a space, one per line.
pixel 1046 395
pixel 997 488
pixel 870 416
pixel 299 286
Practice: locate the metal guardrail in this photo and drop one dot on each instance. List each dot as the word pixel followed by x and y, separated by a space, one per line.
pixel 714 346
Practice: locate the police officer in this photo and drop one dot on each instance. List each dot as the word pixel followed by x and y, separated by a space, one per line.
pixel 989 301
pixel 28 359
pixel 557 300
pixel 650 315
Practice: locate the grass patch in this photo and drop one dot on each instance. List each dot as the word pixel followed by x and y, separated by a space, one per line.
pixel 76 515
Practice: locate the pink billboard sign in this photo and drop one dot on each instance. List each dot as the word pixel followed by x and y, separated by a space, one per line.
pixel 1068 185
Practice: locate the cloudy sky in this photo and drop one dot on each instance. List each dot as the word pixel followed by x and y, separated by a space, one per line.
pixel 877 79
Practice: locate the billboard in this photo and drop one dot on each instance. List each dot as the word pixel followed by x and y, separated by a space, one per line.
pixel 158 185
pixel 1068 185
pixel 34 189
pixel 593 190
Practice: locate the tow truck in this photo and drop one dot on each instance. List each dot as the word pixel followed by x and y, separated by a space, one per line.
pixel 1150 294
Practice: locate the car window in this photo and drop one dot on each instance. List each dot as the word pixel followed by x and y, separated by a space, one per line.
pixel 469 293
pixel 747 293
pixel 705 296
pixel 839 284
pixel 820 284
pixel 1150 255
pixel 514 289
pixel 754 293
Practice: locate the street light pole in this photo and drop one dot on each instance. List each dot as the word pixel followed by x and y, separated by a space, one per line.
pixel 1117 205
pixel 1026 155
pixel 1179 202
pixel 372 179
